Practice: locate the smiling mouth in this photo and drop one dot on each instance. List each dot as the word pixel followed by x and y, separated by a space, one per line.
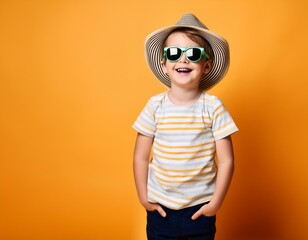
pixel 183 70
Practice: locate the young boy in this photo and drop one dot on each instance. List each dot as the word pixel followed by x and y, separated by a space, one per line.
pixel 181 187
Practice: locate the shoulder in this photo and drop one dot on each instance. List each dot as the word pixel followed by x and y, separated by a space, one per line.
pixel 157 99
pixel 211 100
pixel 155 102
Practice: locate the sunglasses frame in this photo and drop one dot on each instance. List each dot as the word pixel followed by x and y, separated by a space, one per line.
pixel 185 49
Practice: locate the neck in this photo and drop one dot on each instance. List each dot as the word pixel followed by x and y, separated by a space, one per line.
pixel 183 96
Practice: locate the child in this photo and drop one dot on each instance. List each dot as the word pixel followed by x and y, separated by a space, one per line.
pixel 181 187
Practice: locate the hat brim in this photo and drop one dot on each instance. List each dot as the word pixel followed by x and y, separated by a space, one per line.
pixel 220 62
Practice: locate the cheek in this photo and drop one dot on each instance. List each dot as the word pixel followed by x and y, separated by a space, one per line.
pixel 167 66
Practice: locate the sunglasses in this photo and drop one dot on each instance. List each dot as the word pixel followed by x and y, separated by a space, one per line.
pixel 193 54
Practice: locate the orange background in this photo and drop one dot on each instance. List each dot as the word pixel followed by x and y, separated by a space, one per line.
pixel 73 79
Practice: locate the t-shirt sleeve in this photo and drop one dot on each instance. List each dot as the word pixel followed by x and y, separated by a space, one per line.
pixel 145 123
pixel 223 124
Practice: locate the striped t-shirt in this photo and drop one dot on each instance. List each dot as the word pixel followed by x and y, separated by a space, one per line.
pixel 182 171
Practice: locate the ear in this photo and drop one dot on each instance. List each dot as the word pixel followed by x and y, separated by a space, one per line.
pixel 163 65
pixel 207 66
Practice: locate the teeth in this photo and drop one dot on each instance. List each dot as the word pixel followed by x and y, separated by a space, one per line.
pixel 183 70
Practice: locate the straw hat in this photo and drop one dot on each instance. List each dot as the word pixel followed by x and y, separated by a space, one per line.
pixel 220 63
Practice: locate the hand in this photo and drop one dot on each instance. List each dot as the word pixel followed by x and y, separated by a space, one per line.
pixel 206 210
pixel 154 207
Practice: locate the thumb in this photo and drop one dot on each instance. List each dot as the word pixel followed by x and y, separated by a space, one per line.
pixel 197 214
pixel 161 211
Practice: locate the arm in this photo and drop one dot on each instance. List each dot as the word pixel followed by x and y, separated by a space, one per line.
pixel 224 152
pixel 141 161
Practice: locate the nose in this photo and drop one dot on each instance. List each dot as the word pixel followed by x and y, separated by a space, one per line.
pixel 183 58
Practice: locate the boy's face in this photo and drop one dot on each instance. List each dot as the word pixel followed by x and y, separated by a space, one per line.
pixel 183 73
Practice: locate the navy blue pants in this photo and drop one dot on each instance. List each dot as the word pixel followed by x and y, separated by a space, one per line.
pixel 179 226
